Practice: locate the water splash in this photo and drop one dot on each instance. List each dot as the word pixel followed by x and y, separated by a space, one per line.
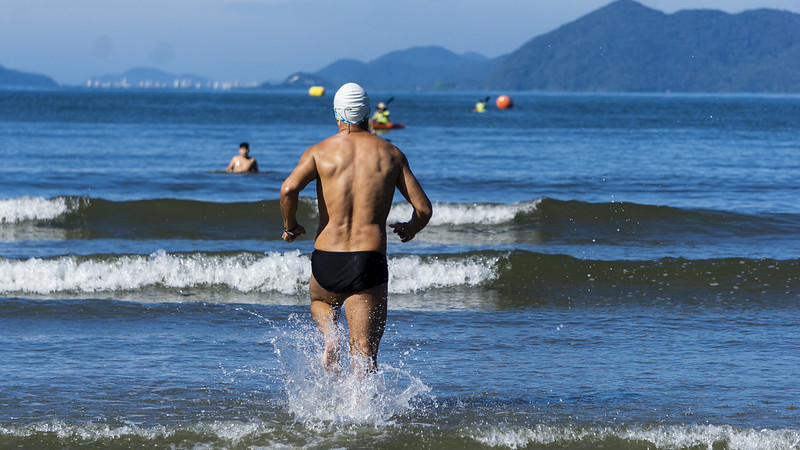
pixel 320 398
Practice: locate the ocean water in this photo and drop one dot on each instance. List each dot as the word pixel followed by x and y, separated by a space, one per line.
pixel 615 271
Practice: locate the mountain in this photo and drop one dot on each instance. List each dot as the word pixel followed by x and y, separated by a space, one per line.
pixel 145 77
pixel 626 46
pixel 417 67
pixel 11 77
pixel 622 47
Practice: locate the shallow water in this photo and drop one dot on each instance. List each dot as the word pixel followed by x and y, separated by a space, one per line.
pixel 614 271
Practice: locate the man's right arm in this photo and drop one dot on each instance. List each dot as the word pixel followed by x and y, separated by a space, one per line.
pixel 304 173
pixel 409 186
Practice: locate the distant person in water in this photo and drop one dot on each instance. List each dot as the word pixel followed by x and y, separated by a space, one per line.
pixel 356 175
pixel 243 162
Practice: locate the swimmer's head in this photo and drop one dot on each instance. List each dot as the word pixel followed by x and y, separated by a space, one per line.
pixel 245 146
pixel 351 104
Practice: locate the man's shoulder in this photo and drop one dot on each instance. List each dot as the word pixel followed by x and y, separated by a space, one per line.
pixel 361 139
pixel 321 145
pixel 382 144
pixel 390 147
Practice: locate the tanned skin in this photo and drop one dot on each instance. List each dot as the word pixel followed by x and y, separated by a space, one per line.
pixel 243 162
pixel 356 173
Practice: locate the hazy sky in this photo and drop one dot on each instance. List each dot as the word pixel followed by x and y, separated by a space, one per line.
pixel 266 40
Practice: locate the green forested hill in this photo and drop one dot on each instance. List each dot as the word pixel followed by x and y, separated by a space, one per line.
pixel 627 47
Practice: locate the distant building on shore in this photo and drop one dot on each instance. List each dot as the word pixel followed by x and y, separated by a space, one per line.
pixel 146 78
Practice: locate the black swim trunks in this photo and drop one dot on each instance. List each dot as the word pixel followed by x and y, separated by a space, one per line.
pixel 339 272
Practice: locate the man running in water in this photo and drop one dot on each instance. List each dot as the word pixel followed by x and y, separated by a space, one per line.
pixel 356 174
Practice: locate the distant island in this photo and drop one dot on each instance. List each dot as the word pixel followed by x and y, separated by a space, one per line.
pixel 621 47
pixel 418 67
pixel 15 78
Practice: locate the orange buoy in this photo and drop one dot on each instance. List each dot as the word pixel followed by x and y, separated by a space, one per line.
pixel 316 91
pixel 504 102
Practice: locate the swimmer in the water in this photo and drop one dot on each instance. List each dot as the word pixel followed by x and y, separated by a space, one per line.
pixel 243 162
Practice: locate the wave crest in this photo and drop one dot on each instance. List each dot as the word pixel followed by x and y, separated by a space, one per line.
pixel 286 273
pixel 667 437
pixel 468 213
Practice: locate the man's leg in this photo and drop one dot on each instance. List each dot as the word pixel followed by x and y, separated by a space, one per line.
pixel 325 310
pixel 366 318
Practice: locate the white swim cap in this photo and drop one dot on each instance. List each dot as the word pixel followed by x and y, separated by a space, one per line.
pixel 351 104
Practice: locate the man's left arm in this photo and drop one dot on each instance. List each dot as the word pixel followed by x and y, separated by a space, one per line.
pixel 409 186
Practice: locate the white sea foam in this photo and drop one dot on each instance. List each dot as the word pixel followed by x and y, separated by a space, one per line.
pixel 281 272
pixel 662 437
pixel 286 273
pixel 230 432
pixel 467 213
pixel 412 273
pixel 15 210
pixel 86 432
pixel 233 433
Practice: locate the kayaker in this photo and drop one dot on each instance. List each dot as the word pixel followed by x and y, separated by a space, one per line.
pixel 481 105
pixel 381 116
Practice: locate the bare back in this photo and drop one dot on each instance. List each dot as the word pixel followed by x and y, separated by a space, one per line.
pixel 356 177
